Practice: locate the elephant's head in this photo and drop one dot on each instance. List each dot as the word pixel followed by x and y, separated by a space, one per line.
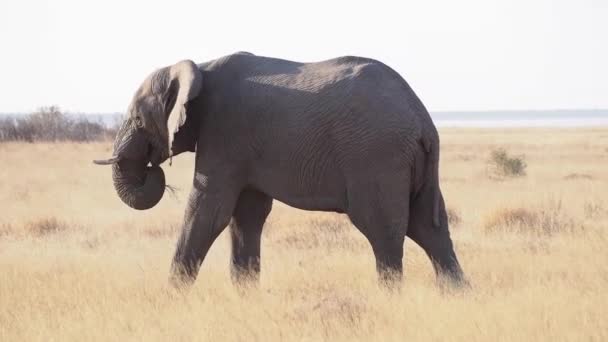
pixel 155 115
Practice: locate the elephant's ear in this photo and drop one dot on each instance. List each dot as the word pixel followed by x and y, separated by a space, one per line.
pixel 186 81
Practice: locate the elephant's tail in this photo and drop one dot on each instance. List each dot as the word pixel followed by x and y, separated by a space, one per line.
pixel 432 150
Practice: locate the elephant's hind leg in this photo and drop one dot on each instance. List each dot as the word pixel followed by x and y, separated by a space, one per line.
pixel 379 209
pixel 248 218
pixel 435 241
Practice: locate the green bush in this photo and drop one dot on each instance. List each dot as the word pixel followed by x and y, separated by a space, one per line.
pixel 501 164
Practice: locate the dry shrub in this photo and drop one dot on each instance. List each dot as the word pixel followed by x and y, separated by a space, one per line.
pixel 574 176
pixel 321 233
pixel 510 217
pixel 332 307
pixel 37 228
pixel 594 209
pixel 501 164
pixel 162 231
pixel 339 307
pixel 91 243
pixel 453 216
pixel 6 229
pixel 45 226
pixel 334 227
pixel 465 157
pixel 546 219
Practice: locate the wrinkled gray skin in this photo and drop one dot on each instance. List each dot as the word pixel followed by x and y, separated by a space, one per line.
pixel 346 135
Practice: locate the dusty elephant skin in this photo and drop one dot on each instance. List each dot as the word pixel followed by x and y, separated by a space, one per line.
pixel 346 135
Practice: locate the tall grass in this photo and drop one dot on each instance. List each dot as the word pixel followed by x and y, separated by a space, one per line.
pixel 77 264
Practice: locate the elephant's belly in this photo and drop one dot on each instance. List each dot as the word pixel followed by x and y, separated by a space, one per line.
pixel 313 203
pixel 327 194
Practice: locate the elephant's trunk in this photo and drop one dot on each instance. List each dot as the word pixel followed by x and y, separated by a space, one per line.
pixel 138 186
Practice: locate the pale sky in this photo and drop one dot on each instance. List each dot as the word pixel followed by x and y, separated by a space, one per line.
pixel 90 56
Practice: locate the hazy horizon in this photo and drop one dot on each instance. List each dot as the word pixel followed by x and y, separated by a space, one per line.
pixel 505 118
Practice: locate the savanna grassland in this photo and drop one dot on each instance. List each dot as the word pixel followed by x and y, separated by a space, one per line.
pixel 77 264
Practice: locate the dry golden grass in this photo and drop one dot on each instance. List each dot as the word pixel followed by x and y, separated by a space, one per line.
pixel 76 264
pixel 547 218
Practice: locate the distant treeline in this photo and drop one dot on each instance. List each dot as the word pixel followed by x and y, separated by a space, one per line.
pixel 50 124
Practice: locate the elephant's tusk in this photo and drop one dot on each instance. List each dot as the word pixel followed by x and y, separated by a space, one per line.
pixel 106 161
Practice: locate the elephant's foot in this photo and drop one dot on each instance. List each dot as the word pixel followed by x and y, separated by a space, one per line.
pixel 244 280
pixel 390 279
pixel 389 262
pixel 181 277
pixel 246 275
pixel 451 279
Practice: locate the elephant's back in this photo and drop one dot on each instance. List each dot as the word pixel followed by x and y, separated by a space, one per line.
pixel 315 77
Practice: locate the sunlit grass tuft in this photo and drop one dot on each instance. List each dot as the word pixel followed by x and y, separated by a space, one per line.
pixel 546 219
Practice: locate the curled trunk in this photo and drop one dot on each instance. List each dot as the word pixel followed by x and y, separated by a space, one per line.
pixel 139 186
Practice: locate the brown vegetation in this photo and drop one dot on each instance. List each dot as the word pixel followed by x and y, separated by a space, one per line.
pixel 77 264
pixel 50 124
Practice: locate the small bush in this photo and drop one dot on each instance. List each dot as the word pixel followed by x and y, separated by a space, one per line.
pixel 501 164
pixel 453 216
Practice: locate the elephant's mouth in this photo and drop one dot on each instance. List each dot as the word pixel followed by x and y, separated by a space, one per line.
pixel 156 153
pixel 138 185
pixel 149 156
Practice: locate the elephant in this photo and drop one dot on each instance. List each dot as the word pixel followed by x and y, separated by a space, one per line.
pixel 345 135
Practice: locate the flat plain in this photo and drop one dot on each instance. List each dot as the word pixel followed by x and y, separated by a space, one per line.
pixel 77 264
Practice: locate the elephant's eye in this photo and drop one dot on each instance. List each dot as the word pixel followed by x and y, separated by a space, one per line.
pixel 138 121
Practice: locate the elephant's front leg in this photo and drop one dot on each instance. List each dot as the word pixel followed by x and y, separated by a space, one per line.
pixel 249 216
pixel 207 214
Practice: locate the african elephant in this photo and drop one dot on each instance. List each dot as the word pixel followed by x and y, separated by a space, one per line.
pixel 345 135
